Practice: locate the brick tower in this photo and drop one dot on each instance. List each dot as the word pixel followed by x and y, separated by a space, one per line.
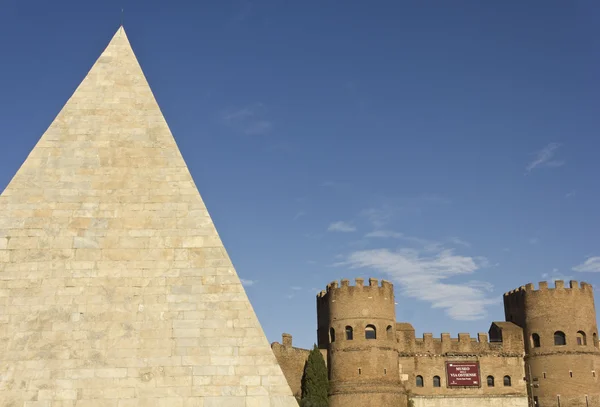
pixel 562 359
pixel 356 324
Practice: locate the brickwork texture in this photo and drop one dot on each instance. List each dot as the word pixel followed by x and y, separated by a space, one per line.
pixel 546 353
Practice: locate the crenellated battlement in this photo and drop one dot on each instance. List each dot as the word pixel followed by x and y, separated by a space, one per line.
pixel 464 343
pixel 343 286
pixel 508 341
pixel 446 337
pixel 366 302
pixel 517 302
pixel 574 286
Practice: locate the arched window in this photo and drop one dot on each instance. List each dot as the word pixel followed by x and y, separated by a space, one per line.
pixel 436 381
pixel 370 332
pixel 560 338
pixel 535 340
pixel 389 332
pixel 581 339
pixel 507 382
pixel 419 381
pixel 349 333
pixel 331 335
pixel 490 381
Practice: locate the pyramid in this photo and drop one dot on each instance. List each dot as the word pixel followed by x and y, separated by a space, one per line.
pixel 115 288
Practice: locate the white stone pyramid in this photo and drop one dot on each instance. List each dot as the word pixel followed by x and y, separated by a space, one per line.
pixel 115 288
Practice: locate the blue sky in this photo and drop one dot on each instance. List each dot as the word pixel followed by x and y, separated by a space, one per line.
pixel 450 148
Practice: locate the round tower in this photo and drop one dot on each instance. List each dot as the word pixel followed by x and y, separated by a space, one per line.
pixel 356 324
pixel 562 359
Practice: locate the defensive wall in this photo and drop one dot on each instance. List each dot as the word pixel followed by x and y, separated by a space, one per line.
pixel 503 339
pixel 545 353
pixel 292 361
pixel 499 360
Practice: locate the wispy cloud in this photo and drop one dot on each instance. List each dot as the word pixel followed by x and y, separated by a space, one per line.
pixel 248 283
pixel 385 234
pixel 533 240
pixel 423 276
pixel 299 214
pixel 459 241
pixel 423 244
pixel 296 288
pixel 545 158
pixel 591 265
pixel 249 120
pixel 381 216
pixel 569 194
pixel 341 226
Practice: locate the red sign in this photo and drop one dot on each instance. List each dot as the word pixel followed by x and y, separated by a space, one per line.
pixel 461 374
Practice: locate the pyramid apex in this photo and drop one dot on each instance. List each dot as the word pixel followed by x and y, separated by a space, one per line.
pixel 119 34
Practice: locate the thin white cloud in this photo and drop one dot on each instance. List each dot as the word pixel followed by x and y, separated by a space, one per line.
pixel 591 265
pixel 258 127
pixel 341 226
pixel 423 275
pixel 380 216
pixel 424 244
pixel 545 158
pixel 234 115
pixel 569 194
pixel 296 288
pixel 249 119
pixel 385 234
pixel 247 283
pixel 299 214
pixel 534 240
pixel 459 241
